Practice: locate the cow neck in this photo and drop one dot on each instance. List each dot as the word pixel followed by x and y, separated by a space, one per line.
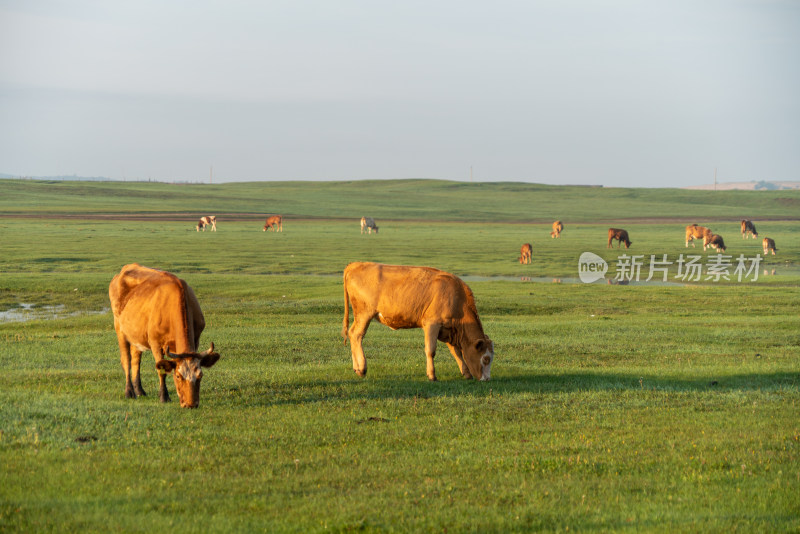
pixel 180 325
pixel 470 330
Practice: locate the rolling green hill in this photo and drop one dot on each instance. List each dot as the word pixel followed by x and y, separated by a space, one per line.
pixel 434 200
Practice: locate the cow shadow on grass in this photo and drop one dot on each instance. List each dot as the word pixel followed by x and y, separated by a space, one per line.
pixel 271 393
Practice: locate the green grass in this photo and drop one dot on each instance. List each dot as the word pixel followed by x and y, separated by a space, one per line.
pixel 611 408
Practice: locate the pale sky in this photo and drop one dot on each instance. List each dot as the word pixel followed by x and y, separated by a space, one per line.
pixel 619 93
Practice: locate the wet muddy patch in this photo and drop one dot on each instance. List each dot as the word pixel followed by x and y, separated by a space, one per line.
pixel 24 312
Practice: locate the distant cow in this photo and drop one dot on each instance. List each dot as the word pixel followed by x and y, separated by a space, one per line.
pixel 526 253
pixel 557 228
pixel 748 228
pixel 273 222
pixel 205 221
pixel 620 235
pixel 157 311
pixel 714 241
pixel 416 297
pixel 769 245
pixel 696 232
pixel 368 223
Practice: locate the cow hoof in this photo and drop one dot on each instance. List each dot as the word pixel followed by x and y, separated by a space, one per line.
pixel 129 394
pixel 140 393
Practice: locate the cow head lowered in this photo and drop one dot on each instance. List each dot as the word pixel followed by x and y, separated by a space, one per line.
pixel 479 356
pixel 188 373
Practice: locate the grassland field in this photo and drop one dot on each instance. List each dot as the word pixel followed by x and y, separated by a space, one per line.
pixel 613 408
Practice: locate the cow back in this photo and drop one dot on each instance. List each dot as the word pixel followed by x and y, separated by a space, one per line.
pixel 149 303
pixel 408 296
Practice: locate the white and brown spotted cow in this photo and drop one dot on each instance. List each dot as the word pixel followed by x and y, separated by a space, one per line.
pixel 401 296
pixel 157 311
pixel 206 221
pixel 368 223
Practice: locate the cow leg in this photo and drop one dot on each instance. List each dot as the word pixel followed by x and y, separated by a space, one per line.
pixel 136 358
pixel 431 337
pixel 356 334
pixel 125 359
pixel 456 352
pixel 163 394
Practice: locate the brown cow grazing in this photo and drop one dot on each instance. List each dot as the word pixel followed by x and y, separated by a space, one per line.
pixel 748 228
pixel 209 219
pixel 273 222
pixel 714 241
pixel 557 228
pixel 696 232
pixel 769 245
pixel 401 296
pixel 526 253
pixel 620 235
pixel 368 223
pixel 157 311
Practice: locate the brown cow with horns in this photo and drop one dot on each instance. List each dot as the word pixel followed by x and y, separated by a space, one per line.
pixel 157 311
pixel 401 296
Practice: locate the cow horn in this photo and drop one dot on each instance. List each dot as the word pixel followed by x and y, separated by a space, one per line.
pixel 211 348
pixel 168 354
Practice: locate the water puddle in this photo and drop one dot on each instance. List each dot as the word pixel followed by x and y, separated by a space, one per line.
pixel 30 312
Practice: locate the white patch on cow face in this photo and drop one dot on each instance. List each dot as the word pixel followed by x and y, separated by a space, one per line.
pixel 189 369
pixel 187 377
pixel 486 363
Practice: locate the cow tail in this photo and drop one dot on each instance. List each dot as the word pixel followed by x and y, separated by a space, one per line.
pixel 346 320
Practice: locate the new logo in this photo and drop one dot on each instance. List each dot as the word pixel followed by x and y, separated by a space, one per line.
pixel 591 267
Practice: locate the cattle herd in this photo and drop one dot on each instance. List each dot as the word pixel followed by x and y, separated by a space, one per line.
pixel 693 231
pixel 275 223
pixel 157 311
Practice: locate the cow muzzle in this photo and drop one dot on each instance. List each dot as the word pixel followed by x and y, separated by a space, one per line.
pixel 486 367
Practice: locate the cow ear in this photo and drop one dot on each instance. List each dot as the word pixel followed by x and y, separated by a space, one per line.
pixel 209 360
pixel 166 365
pixel 480 345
